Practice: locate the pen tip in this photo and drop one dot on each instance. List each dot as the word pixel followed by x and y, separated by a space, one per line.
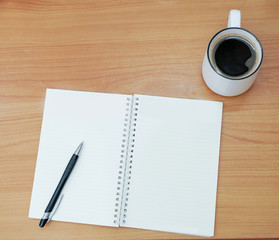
pixel 79 148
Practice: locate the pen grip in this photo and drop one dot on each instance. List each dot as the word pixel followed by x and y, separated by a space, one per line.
pixel 61 183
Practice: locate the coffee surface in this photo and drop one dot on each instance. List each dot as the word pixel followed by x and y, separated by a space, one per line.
pixel 231 56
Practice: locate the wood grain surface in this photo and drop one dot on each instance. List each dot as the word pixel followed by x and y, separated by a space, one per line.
pixel 143 47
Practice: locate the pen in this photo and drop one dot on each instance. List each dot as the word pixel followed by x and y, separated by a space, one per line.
pixel 56 195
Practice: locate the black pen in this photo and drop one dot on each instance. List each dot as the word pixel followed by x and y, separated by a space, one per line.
pixel 49 209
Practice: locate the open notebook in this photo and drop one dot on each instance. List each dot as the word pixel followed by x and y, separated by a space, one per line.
pixel 147 162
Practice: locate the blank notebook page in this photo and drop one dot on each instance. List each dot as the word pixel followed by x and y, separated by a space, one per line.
pixel 175 165
pixel 69 118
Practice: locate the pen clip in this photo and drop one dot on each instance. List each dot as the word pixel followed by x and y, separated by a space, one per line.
pixel 55 207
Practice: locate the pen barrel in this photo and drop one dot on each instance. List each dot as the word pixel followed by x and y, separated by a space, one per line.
pixel 61 183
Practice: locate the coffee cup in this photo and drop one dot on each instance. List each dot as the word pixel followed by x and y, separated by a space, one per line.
pixel 232 59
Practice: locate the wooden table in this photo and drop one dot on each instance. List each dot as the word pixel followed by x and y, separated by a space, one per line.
pixel 145 47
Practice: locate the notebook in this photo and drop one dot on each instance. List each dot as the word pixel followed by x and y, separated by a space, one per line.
pixel 147 162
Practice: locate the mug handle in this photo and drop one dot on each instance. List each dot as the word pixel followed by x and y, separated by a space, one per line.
pixel 234 18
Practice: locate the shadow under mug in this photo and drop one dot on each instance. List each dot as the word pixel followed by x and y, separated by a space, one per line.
pixel 218 81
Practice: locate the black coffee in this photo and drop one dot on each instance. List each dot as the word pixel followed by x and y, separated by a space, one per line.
pixel 234 57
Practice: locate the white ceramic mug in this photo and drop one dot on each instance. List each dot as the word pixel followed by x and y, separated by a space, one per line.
pixel 220 82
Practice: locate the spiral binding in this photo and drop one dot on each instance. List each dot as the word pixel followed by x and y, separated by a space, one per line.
pixel 123 157
pixel 129 161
